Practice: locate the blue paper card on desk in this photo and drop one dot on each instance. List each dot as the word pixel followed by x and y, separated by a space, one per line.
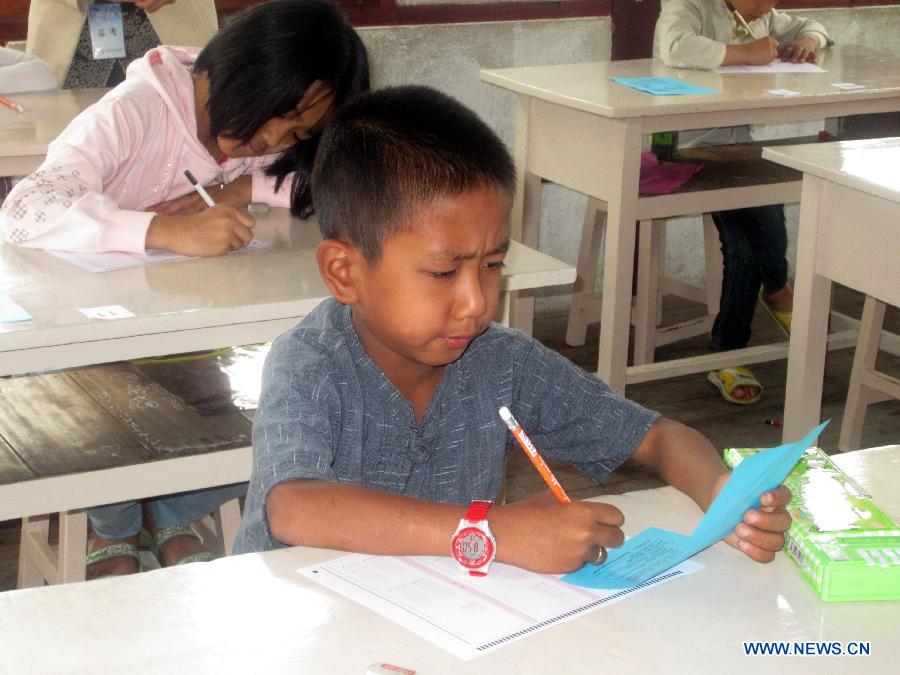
pixel 10 312
pixel 653 551
pixel 662 86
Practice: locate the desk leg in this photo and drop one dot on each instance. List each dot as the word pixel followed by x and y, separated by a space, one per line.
pixel 618 256
pixel 809 328
pixel 525 219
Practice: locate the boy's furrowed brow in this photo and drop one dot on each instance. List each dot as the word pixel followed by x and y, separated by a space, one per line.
pixel 454 256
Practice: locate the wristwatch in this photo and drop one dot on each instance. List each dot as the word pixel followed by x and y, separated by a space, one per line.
pixel 473 544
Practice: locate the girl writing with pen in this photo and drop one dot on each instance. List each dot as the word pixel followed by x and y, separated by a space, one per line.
pixel 243 115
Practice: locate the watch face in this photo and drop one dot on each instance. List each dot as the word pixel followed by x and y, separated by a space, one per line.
pixel 472 548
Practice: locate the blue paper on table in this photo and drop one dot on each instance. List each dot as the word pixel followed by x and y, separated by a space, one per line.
pixel 653 551
pixel 10 312
pixel 662 86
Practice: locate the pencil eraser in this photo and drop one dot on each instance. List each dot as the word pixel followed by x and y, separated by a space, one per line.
pixel 382 668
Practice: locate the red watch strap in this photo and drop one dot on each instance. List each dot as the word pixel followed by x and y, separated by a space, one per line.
pixel 478 511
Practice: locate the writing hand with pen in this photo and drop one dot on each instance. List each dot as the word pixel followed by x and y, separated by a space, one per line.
pixel 196 225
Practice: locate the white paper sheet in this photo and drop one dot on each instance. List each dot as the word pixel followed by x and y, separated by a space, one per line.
pixel 109 262
pixel 467 616
pixel 775 66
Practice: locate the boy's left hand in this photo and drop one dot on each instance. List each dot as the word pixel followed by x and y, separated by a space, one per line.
pixel 761 533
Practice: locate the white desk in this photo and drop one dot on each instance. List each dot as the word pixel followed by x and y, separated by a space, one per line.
pixel 255 614
pixel 186 305
pixel 576 128
pixel 179 307
pixel 24 137
pixel 849 233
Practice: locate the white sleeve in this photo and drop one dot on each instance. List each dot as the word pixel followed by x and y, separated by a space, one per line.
pixel 679 40
pixel 62 205
pixel 787 27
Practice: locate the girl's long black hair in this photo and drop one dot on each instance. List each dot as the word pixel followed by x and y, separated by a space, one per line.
pixel 262 62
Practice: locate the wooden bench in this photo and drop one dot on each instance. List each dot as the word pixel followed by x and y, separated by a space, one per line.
pixel 116 432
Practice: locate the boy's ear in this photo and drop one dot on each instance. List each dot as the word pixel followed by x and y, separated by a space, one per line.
pixel 337 262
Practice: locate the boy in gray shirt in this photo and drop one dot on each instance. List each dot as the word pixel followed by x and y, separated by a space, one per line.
pixel 378 418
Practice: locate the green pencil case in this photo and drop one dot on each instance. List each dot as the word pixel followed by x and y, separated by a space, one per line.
pixel 846 546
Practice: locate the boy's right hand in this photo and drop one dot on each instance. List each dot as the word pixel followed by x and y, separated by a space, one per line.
pixel 760 52
pixel 542 535
pixel 217 230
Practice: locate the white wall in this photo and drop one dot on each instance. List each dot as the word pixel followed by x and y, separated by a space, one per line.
pixel 449 56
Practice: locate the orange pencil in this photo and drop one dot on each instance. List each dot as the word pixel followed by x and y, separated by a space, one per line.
pixel 534 456
pixel 12 105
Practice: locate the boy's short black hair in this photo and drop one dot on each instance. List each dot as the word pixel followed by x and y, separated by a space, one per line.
pixel 389 152
pixel 262 62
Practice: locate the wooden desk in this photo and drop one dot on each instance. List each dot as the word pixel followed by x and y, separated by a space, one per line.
pixel 255 613
pixel 24 137
pixel 577 128
pixel 849 233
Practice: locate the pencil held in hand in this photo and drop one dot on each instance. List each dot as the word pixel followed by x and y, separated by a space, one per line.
pixel 534 455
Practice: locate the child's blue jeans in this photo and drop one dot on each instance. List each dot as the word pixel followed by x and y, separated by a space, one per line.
pixel 754 245
pixel 118 521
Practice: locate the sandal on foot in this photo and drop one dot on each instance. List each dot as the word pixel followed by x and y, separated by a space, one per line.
pixel 781 316
pixel 119 549
pixel 164 534
pixel 727 379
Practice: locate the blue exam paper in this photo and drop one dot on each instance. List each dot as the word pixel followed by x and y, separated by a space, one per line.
pixel 10 312
pixel 662 86
pixel 653 551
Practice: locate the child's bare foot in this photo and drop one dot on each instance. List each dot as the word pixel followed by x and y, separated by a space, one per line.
pixel 179 548
pixel 111 557
pixel 781 300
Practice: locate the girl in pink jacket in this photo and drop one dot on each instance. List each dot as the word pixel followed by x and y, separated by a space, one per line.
pixel 242 116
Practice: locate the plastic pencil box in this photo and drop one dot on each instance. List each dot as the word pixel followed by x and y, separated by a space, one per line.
pixel 846 546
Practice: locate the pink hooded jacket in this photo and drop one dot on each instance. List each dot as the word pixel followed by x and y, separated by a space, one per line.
pixel 120 156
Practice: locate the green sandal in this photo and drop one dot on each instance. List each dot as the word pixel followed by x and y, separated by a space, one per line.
pixel 119 549
pixel 164 534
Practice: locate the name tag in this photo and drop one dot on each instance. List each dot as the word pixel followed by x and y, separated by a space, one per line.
pixel 105 24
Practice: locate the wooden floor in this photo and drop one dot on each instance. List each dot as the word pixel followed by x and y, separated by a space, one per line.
pixel 689 399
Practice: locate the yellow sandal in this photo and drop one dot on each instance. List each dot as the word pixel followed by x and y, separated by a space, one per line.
pixel 726 379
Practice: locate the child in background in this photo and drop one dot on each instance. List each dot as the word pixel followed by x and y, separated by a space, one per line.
pixel 706 34
pixel 248 111
pixel 242 115
pixel 59 33
pixel 378 419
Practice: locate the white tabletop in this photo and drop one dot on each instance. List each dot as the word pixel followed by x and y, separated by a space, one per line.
pixel 587 86
pixel 246 297
pixel 255 614
pixel 47 113
pixel 871 166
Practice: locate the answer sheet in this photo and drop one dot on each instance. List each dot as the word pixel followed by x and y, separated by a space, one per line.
pixel 467 616
pixel 775 66
pixel 112 261
pixel 653 551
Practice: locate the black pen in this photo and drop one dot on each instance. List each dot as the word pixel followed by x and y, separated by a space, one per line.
pixel 199 188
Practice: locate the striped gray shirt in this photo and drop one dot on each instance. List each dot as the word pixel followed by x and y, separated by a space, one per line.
pixel 327 412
